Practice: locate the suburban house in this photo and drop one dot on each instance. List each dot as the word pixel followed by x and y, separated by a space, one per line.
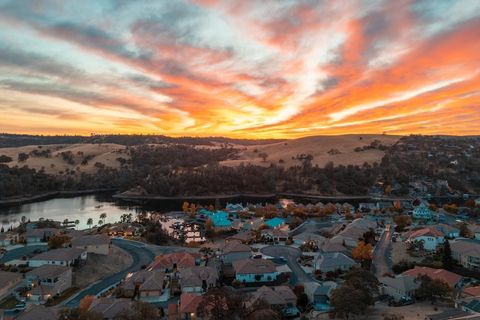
pixel 175 261
pixel 48 281
pixel 319 294
pixel 255 270
pixel 8 281
pixel 280 298
pixel 198 279
pixel 220 220
pixel 430 238
pixel 399 287
pixel 329 246
pixel 309 238
pixel 38 312
pixel 234 251
pixel 146 285
pixel 354 231
pixel 448 230
pixel 275 222
pixel 275 235
pixel 422 212
pixel 62 257
pixel 253 224
pixel 470 305
pixel 471 292
pixel 187 307
pixel 110 308
pixel 467 253
pixel 98 243
pixel 234 207
pixel 452 279
pixel 333 261
pixel 39 235
pixel 8 238
pixel 243 237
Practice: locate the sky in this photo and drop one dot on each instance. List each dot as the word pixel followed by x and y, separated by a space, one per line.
pixel 244 69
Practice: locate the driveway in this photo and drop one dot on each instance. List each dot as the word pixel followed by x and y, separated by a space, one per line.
pixel 141 255
pixel 382 259
pixel 24 251
pixel 291 254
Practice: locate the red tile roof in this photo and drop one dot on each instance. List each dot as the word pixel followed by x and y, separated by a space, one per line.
pixel 181 259
pixel 189 303
pixel 449 277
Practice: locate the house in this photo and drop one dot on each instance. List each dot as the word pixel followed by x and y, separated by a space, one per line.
pixel 422 212
pixel 147 285
pixel 187 307
pixel 255 270
pixel 399 287
pixel 470 305
pixel 234 251
pixel 452 314
pixel 243 237
pixel 98 244
pixel 48 281
pixel 448 230
pixel 309 238
pixel 63 257
pixel 430 238
pixel 220 220
pixel 333 261
pixel 198 279
pixel 8 281
pixel 276 235
pixel 8 238
pixel 319 294
pixel 39 235
pixel 354 231
pixel 253 224
pixel 278 298
pixel 467 253
pixel 111 308
pixel 471 292
pixel 275 222
pixel 37 312
pixel 234 207
pixel 475 229
pixel 452 279
pixel 175 261
pixel 329 246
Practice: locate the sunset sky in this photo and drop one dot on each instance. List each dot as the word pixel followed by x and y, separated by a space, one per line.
pixel 253 69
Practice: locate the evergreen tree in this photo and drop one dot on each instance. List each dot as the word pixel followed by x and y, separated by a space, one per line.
pixel 447 259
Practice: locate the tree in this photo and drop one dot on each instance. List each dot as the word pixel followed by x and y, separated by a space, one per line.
pixel 402 221
pixel 24 219
pixel 89 222
pixel 79 314
pixel 100 222
pixel 140 310
pixel 464 231
pixel 185 207
pixel 432 289
pixel 22 157
pixel 86 302
pixel 363 253
pixel 447 260
pixel 58 241
pixel 103 216
pixel 77 222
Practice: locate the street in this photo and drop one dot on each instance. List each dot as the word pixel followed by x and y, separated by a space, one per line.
pixel 382 262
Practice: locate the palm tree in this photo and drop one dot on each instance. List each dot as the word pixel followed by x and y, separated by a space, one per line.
pixel 103 216
pixel 100 222
pixel 77 222
pixel 24 219
pixel 89 222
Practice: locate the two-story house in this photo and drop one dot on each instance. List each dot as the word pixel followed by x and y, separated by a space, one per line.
pixel 48 281
pixel 255 270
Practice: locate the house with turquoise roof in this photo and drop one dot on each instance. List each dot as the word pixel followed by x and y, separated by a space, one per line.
pixel 275 222
pixel 422 212
pixel 220 220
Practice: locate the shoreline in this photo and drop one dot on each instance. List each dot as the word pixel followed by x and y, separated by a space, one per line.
pixel 50 195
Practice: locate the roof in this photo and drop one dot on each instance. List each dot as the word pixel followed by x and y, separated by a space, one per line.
pixel 37 312
pixel 276 232
pixel 472 291
pixel 48 271
pixel 445 228
pixel 403 282
pixel 148 280
pixel 470 247
pixel 473 305
pixel 63 254
pixel 235 246
pixel 448 314
pixel 110 307
pixel 181 259
pixel 243 236
pixel 426 232
pixel 449 277
pixel 330 246
pixel 194 277
pixel 280 295
pixel 309 236
pixel 189 303
pixel 275 222
pixel 358 227
pixel 7 277
pixel 325 288
pixel 91 240
pixel 254 266
pixel 330 260
pixel 220 219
